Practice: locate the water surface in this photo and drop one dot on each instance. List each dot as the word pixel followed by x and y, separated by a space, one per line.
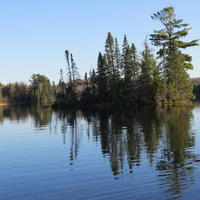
pixel 99 154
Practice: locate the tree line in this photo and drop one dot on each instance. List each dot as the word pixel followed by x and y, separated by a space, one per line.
pixel 39 90
pixel 122 75
pixel 128 76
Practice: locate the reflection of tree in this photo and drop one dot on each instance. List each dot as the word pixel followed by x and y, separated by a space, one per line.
pixel 72 124
pixel 163 135
pixel 70 127
pixel 150 122
pixel 1 114
pixel 17 113
pixel 21 113
pixel 123 134
pixel 115 140
pixel 112 139
pixel 134 139
pixel 175 163
pixel 42 116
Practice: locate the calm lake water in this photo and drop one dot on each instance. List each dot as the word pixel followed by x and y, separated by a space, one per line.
pixel 99 154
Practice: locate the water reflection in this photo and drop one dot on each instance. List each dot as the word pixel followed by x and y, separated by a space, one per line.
pixel 42 116
pixel 176 160
pixel 15 113
pixel 161 136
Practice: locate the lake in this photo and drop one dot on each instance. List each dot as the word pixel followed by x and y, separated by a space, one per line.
pixel 141 153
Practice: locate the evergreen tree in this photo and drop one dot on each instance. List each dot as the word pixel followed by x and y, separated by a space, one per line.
pixel 61 92
pixel 74 72
pixel 112 56
pixel 177 85
pixel 86 90
pixel 117 59
pixel 109 54
pixel 102 79
pixel 116 72
pixel 73 77
pixel 127 69
pixel 69 71
pixel 86 84
pixel 93 79
pixel 149 78
pixel 135 64
pixel 124 46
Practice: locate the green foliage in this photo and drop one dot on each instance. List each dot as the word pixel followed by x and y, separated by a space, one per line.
pixel 41 90
pixel 102 79
pixel 15 92
pixel 177 86
pixel 112 62
pixel 149 79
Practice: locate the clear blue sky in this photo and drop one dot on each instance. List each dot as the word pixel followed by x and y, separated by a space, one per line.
pixel 34 34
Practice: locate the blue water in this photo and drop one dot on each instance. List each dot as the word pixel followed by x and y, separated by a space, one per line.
pixel 99 154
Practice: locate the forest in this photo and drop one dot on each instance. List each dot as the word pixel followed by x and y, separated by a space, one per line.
pixel 123 76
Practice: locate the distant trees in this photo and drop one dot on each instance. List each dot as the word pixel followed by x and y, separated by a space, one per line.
pixel 41 89
pixel 73 74
pixel 66 92
pixel 14 92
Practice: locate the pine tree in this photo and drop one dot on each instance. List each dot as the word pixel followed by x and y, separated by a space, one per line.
pixel 127 69
pixel 86 83
pixel 74 73
pixel 134 62
pixel 69 72
pixel 62 88
pixel 73 77
pixel 116 72
pixel 109 54
pixel 117 58
pixel 102 79
pixel 86 90
pixel 177 85
pixel 149 78
pixel 112 56
pixel 93 79
pixel 124 46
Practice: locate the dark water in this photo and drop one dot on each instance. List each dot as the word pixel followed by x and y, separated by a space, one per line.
pixel 107 154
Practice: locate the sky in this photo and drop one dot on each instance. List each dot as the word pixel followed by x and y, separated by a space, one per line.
pixel 35 34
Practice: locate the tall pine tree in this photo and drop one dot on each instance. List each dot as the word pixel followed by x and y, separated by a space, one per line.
pixel 176 82
pixel 149 78
pixel 102 79
pixel 112 56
